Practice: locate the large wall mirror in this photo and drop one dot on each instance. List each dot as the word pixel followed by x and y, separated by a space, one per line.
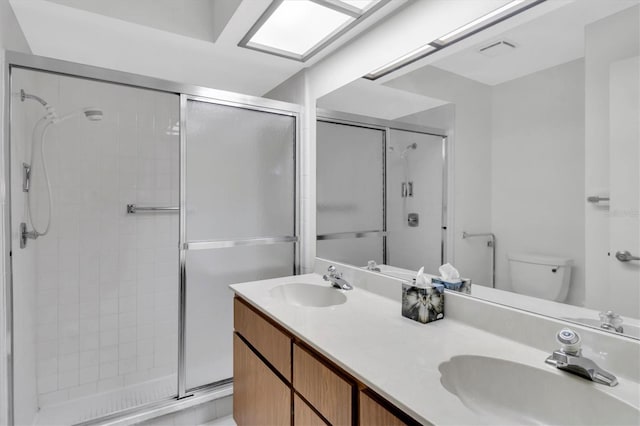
pixel 513 154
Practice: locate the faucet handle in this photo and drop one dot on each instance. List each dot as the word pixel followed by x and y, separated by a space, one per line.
pixel 570 341
pixel 610 317
pixel 331 269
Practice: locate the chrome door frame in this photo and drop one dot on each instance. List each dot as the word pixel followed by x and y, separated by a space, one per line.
pixel 186 245
pixel 17 60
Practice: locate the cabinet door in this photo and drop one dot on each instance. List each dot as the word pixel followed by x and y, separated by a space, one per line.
pixel 303 415
pixel 325 390
pixel 259 396
pixel 269 341
pixel 374 414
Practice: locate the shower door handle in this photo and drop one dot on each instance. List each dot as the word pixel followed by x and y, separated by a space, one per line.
pixel 625 256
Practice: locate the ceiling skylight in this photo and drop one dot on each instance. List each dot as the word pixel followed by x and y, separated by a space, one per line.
pixel 298 29
pixel 297 26
pixel 498 15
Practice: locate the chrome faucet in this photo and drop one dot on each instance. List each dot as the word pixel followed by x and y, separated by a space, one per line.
pixel 611 321
pixel 569 358
pixel 372 266
pixel 336 279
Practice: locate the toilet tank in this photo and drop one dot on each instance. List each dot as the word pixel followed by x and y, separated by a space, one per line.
pixel 546 277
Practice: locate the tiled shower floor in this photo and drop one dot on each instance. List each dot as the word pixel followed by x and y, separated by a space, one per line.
pixel 93 406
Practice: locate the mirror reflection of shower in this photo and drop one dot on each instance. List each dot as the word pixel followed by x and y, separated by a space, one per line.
pixel 38 139
pixel 407 184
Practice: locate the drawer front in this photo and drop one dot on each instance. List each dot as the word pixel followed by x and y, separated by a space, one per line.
pixel 303 415
pixel 374 414
pixel 273 344
pixel 259 396
pixel 325 390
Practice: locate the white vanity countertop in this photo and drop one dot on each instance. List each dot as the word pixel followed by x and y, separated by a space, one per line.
pixel 397 357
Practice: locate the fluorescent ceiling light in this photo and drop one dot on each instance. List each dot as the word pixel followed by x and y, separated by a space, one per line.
pixel 480 20
pixel 298 29
pixel 402 61
pixel 467 30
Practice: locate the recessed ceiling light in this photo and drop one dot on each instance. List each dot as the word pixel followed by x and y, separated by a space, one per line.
pixel 298 29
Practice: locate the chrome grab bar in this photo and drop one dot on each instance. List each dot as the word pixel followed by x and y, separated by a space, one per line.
pixel 492 244
pixel 597 199
pixel 239 242
pixel 132 209
pixel 348 235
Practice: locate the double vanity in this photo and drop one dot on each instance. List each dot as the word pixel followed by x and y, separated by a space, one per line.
pixel 306 352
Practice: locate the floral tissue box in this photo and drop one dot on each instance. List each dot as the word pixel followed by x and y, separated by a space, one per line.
pixel 422 304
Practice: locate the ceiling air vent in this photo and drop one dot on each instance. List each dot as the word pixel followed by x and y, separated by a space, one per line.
pixel 497 48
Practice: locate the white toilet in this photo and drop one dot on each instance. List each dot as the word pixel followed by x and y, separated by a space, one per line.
pixel 540 276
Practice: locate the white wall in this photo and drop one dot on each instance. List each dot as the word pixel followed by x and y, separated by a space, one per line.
pixel 606 41
pixel 470 147
pixel 538 169
pixel 104 307
pixel 297 90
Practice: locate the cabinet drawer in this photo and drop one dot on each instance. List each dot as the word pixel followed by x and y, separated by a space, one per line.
pixel 259 396
pixel 374 414
pixel 273 344
pixel 303 415
pixel 325 390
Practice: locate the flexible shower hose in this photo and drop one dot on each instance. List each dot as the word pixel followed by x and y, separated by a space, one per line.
pixel 48 121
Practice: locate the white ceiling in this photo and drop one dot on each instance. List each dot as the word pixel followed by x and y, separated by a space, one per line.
pixel 365 97
pixel 201 19
pixel 552 39
pixel 190 41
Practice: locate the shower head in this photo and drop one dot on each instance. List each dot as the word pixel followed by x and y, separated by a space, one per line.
pixel 408 148
pixel 93 114
pixel 90 113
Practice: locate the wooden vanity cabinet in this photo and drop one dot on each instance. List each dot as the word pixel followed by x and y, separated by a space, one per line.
pixel 259 396
pixel 376 412
pixel 280 381
pixel 261 369
pixel 271 342
pixel 303 415
pixel 325 388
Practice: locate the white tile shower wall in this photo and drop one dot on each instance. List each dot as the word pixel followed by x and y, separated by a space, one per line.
pixel 107 280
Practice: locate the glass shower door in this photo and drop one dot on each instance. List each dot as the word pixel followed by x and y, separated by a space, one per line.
pixel 238 223
pixel 350 193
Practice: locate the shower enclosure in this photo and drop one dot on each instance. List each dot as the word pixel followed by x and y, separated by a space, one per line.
pixel 381 192
pixel 123 303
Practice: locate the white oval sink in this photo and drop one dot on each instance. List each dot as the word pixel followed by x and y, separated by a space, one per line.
pixel 310 295
pixel 506 392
